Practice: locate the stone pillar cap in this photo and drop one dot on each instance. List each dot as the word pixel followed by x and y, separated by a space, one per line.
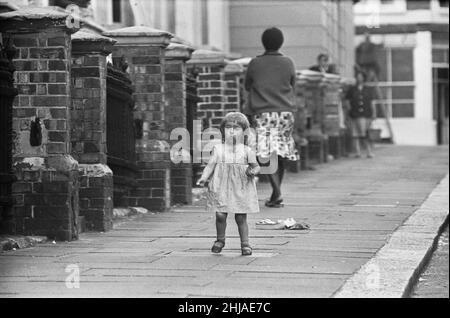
pixel 30 13
pixel 309 75
pixel 34 18
pixel 348 81
pixel 140 35
pixel 244 61
pixel 234 68
pixel 331 78
pixel 179 51
pixel 203 56
pixel 89 36
pixel 85 41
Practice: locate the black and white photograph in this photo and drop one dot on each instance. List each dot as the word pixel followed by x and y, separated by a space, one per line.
pixel 225 155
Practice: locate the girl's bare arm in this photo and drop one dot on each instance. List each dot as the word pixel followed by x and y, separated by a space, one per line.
pixel 253 166
pixel 209 169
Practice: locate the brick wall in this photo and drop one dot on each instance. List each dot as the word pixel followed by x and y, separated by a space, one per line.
pixel 176 117
pixel 143 49
pixel 233 78
pixel 88 128
pixel 211 86
pixel 218 86
pixel 88 111
pixel 46 190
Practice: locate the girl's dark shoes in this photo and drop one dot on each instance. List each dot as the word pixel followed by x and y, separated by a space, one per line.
pixel 218 246
pixel 246 250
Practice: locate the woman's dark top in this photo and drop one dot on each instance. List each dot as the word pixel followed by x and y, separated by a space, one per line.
pixel 270 80
pixel 361 101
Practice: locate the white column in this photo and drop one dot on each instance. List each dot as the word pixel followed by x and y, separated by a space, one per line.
pixel 423 76
pixel 219 24
pixel 422 130
pixel 187 20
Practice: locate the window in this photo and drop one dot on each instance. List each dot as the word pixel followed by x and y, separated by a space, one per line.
pixel 402 64
pixel 402 110
pixel 403 92
pixel 116 11
pixel 396 82
pixel 440 55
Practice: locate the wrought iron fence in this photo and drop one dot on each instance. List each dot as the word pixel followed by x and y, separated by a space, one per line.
pixel 7 94
pixel 120 130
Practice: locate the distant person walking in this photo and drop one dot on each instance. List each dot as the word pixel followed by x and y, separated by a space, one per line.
pixel 362 113
pixel 270 81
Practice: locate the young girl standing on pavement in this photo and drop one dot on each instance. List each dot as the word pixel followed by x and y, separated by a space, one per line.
pixel 230 174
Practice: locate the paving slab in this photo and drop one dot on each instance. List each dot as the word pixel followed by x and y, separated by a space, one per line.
pixel 354 208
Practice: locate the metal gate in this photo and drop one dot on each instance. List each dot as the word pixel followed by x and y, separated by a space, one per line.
pixel 191 114
pixel 7 94
pixel 120 133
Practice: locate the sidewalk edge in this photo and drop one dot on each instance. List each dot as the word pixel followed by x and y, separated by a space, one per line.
pixel 420 268
pixel 392 272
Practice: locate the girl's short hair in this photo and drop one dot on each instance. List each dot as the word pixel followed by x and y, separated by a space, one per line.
pixel 235 117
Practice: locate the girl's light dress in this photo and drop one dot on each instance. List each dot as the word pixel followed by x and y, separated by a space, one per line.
pixel 230 190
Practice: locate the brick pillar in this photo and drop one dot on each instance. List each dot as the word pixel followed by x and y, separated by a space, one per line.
pixel 88 128
pixel 232 92
pixel 175 114
pixel 302 120
pixel 318 141
pixel 332 119
pixel 46 190
pixel 143 49
pixel 211 86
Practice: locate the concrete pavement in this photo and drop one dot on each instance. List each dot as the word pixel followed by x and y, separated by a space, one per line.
pixel 352 205
pixel 433 282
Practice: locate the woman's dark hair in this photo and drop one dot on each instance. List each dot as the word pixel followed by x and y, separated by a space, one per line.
pixel 272 39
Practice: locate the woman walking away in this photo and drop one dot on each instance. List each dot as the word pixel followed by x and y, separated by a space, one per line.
pixel 270 80
pixel 362 113
pixel 230 174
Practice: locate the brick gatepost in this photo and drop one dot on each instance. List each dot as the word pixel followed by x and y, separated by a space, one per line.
pixel 143 49
pixel 88 128
pixel 211 86
pixel 46 190
pixel 314 101
pixel 175 113
pixel 232 87
pixel 332 114
pixel 302 122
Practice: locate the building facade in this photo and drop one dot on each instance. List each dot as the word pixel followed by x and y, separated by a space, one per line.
pixel 411 39
pixel 311 27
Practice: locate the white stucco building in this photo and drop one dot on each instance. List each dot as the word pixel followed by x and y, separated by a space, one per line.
pixel 413 57
pixel 310 27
